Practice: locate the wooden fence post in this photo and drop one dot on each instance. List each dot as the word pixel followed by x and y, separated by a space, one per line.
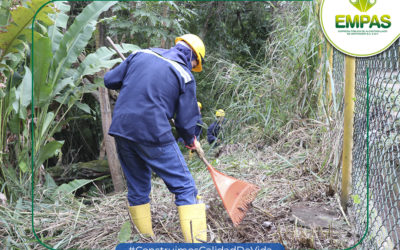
pixel 113 162
pixel 329 76
pixel 105 107
pixel 350 64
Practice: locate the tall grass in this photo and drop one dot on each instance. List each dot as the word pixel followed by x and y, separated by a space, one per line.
pixel 260 99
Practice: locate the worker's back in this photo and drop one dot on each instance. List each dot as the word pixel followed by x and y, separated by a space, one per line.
pixel 150 94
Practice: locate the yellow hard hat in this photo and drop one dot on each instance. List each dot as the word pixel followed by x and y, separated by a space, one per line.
pixel 220 112
pixel 197 46
pixel 199 104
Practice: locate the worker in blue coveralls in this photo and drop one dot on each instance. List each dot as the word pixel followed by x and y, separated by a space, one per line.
pixel 157 85
pixel 214 129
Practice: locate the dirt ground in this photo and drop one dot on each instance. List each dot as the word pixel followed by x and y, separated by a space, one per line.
pixel 297 204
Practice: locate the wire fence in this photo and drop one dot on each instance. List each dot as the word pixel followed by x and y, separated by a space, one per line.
pixel 384 147
pixel 338 80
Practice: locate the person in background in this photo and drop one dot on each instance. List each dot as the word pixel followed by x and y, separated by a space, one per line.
pixel 215 128
pixel 199 126
pixel 157 85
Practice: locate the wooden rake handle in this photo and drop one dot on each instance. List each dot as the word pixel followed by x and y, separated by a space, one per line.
pixel 115 48
pixel 200 153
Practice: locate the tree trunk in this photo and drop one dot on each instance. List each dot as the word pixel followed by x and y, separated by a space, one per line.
pixel 165 13
pixel 105 107
pixel 211 12
pixel 132 18
pixel 113 163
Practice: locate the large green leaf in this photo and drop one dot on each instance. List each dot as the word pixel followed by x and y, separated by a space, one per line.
pixel 23 166
pixel 22 17
pixel 60 22
pixel 12 96
pixel 42 58
pixel 72 186
pixel 27 36
pixel 100 59
pixel 22 161
pixel 49 150
pixel 43 14
pixel 14 123
pixel 24 90
pixel 126 47
pixel 23 94
pixel 61 85
pixel 125 233
pixel 94 62
pixel 76 38
pixel 83 106
pixel 4 12
pixel 49 182
pixel 47 122
pixel 13 60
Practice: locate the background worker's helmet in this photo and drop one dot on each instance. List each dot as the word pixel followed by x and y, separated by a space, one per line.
pixel 199 104
pixel 220 112
pixel 197 46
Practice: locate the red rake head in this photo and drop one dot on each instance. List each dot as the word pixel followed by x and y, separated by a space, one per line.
pixel 236 195
pixel 238 208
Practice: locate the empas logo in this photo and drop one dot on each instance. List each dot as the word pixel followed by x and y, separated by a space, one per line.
pixel 359 21
pixel 363 5
pixel 348 26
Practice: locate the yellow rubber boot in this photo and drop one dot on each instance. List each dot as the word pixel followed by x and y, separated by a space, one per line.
pixel 193 222
pixel 141 216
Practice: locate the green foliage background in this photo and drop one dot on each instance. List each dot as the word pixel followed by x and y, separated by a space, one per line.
pixel 262 66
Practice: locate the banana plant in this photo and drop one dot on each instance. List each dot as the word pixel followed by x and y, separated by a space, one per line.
pixel 56 89
pixel 57 80
pixel 57 85
pixel 15 36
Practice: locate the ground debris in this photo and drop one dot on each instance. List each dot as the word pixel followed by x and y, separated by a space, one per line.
pixel 287 185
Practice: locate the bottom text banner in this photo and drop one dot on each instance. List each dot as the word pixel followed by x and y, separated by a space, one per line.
pixel 200 246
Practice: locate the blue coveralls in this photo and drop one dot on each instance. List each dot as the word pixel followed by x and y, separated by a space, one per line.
pixel 197 132
pixel 156 85
pixel 213 131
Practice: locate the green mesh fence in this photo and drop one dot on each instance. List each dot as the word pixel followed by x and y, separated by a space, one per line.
pixel 384 148
pixel 338 80
pixel 338 77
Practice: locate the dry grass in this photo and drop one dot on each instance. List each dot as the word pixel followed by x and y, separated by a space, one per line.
pixel 297 169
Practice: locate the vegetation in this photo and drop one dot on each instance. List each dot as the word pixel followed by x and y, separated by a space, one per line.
pixel 273 89
pixel 263 67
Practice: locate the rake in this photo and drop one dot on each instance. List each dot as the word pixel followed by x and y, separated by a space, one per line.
pixel 236 195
